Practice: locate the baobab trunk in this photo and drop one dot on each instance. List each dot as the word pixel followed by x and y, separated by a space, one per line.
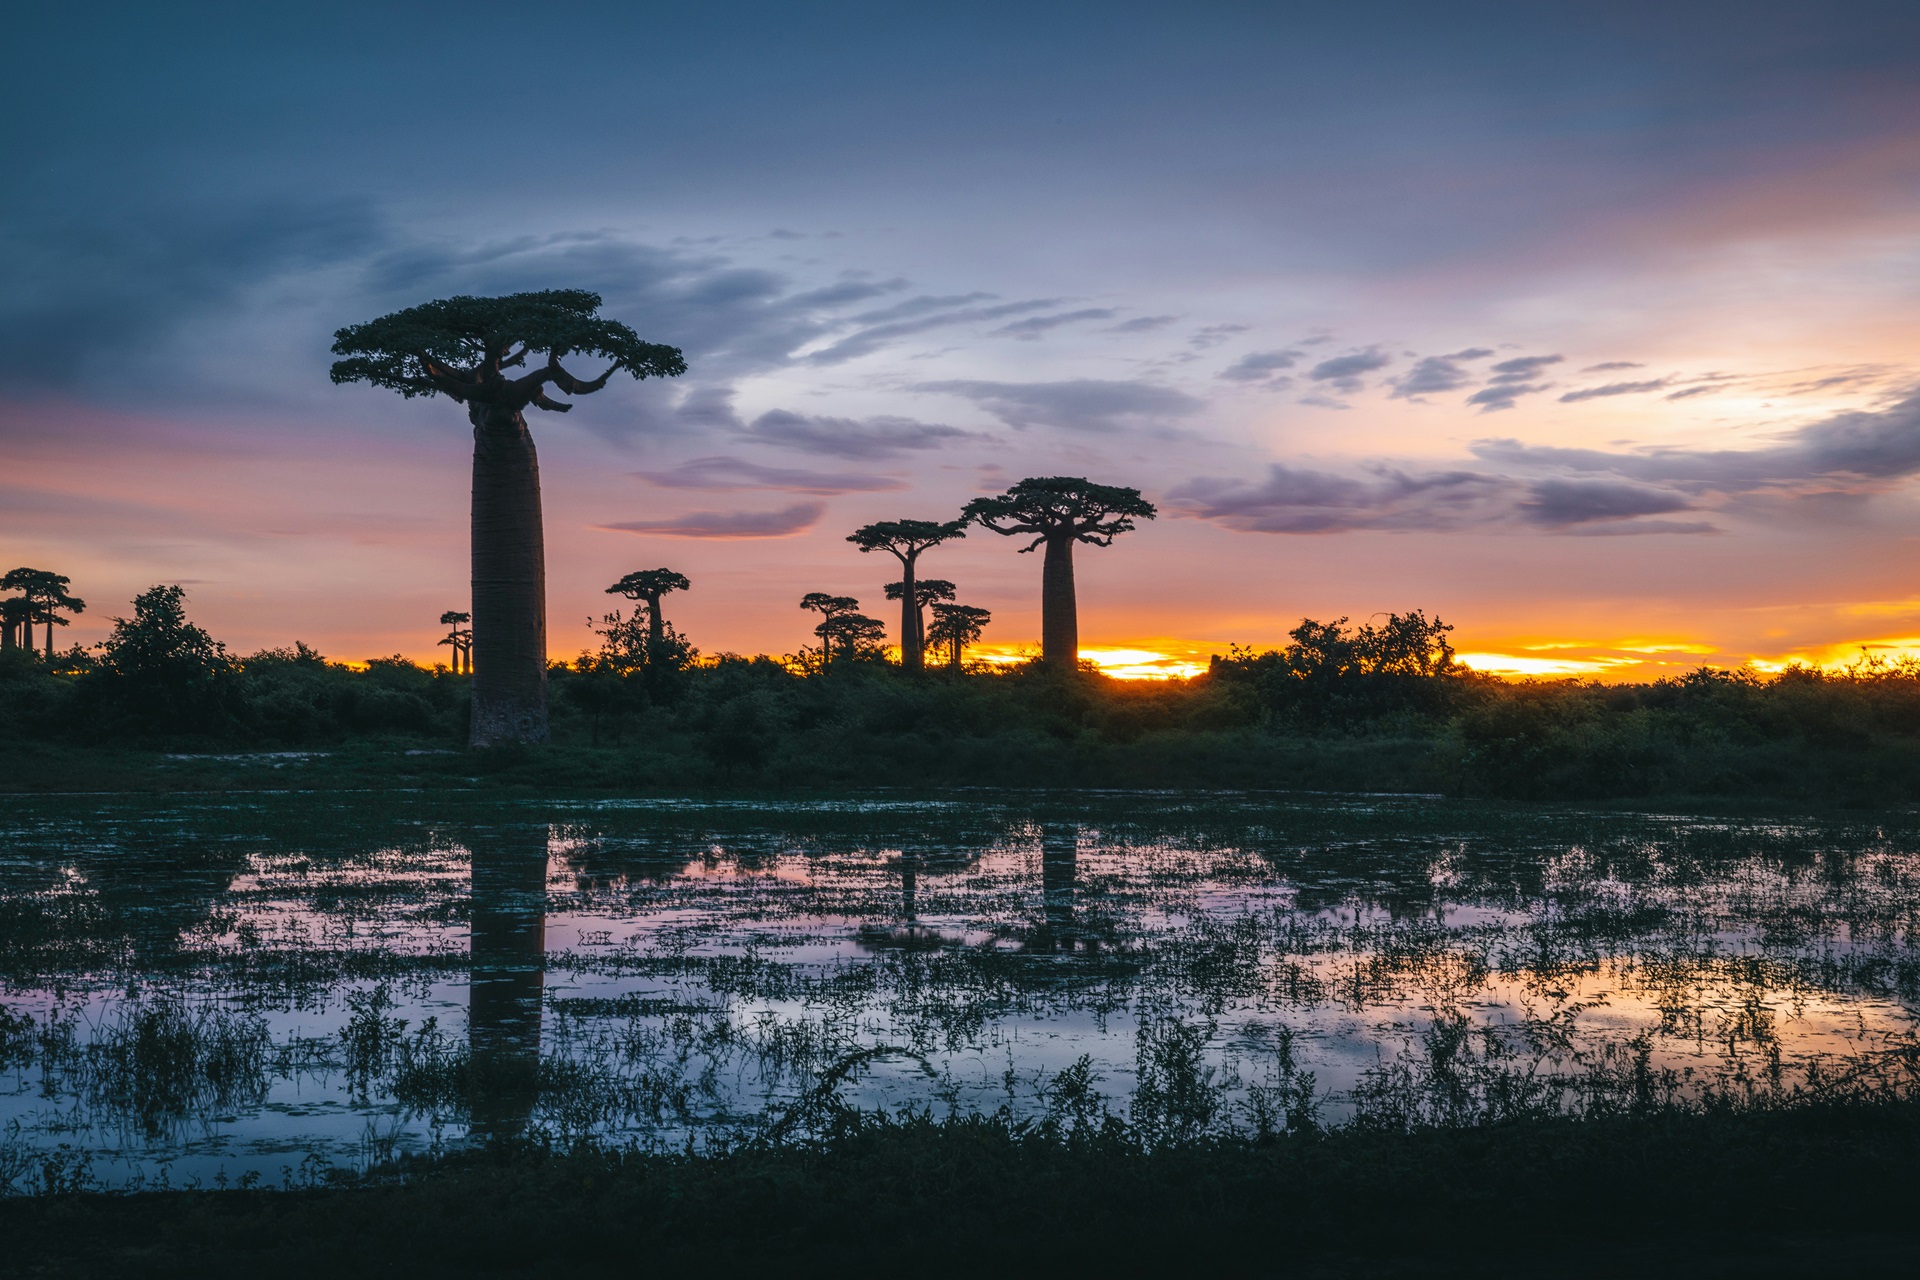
pixel 909 617
pixel 656 630
pixel 1059 615
pixel 509 655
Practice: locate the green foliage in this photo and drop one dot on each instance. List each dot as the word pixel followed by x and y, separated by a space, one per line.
pixel 1336 676
pixel 160 670
pixel 479 336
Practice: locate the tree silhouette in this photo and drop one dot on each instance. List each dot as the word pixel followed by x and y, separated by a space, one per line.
pixel 956 626
pixel 926 591
pixel 905 540
pixel 15 630
pixel 1059 511
pixel 461 348
pixel 854 636
pixel 648 585
pixel 461 638
pixel 828 607
pixel 162 668
pixel 45 597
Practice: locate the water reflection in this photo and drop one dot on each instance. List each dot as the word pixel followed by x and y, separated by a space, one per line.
pixel 1059 866
pixel 509 971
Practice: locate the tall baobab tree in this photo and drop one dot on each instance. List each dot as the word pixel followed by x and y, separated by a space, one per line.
pixel 647 586
pixel 46 598
pixel 461 638
pixel 828 607
pixel 905 540
pixel 462 348
pixel 956 626
pixel 926 591
pixel 1058 511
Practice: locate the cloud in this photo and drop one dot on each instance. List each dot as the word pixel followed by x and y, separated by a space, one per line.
pixel 1084 404
pixel 1390 498
pixel 1522 368
pixel 737 473
pixel 1437 373
pixel 1033 327
pixel 1343 372
pixel 1611 365
pixel 1297 500
pixel 874 336
pixel 729 524
pixel 1860 450
pixel 1141 324
pixel 1616 389
pixel 1214 334
pixel 1689 392
pixel 883 436
pixel 1323 402
pixel 1564 502
pixel 115 302
pixel 1261 366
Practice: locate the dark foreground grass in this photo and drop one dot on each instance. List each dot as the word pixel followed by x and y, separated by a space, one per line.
pixel 1814 1190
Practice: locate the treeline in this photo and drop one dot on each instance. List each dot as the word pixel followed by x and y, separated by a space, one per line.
pixel 1373 707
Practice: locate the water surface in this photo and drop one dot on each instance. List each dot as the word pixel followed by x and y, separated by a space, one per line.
pixel 211 989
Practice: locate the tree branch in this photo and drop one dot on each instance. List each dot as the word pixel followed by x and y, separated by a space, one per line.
pixel 541 400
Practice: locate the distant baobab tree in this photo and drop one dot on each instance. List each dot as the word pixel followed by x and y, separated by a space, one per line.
pixel 955 626
pixel 1059 511
pixel 647 586
pixel 461 638
pixel 926 591
pixel 461 348
pixel 828 607
pixel 853 636
pixel 905 540
pixel 15 630
pixel 43 598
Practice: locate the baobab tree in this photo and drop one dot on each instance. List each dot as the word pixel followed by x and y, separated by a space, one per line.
pixel 462 348
pixel 828 607
pixel 853 635
pixel 956 626
pixel 15 630
pixel 905 540
pixel 647 586
pixel 461 638
pixel 45 598
pixel 926 591
pixel 1059 511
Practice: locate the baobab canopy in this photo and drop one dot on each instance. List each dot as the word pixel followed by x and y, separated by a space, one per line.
pixel 459 347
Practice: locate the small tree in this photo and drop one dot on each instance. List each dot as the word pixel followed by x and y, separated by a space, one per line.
pixel 1058 511
pixel 828 607
pixel 926 591
pixel 45 598
pixel 461 638
pixel 955 626
pixel 15 629
pixel 164 669
pixel 462 348
pixel 647 586
pixel 854 636
pixel 905 540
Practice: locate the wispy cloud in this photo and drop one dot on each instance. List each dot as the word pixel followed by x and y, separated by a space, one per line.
pixel 1261 367
pixel 1433 374
pixel 1345 373
pixel 1035 327
pixel 724 473
pixel 729 524
pixel 1083 404
pixel 882 436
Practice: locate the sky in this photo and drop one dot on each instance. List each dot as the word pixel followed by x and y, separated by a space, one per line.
pixel 1589 328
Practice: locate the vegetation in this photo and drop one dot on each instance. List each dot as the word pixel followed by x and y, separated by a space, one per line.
pixel 1375 707
pixel 462 348
pixel 1822 1190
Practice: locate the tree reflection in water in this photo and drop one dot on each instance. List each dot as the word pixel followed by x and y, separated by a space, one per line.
pixel 1059 860
pixel 509 959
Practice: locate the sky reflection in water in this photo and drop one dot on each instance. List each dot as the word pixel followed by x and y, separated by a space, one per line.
pixel 197 988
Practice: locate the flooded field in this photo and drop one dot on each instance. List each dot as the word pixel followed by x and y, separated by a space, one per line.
pixel 208 991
